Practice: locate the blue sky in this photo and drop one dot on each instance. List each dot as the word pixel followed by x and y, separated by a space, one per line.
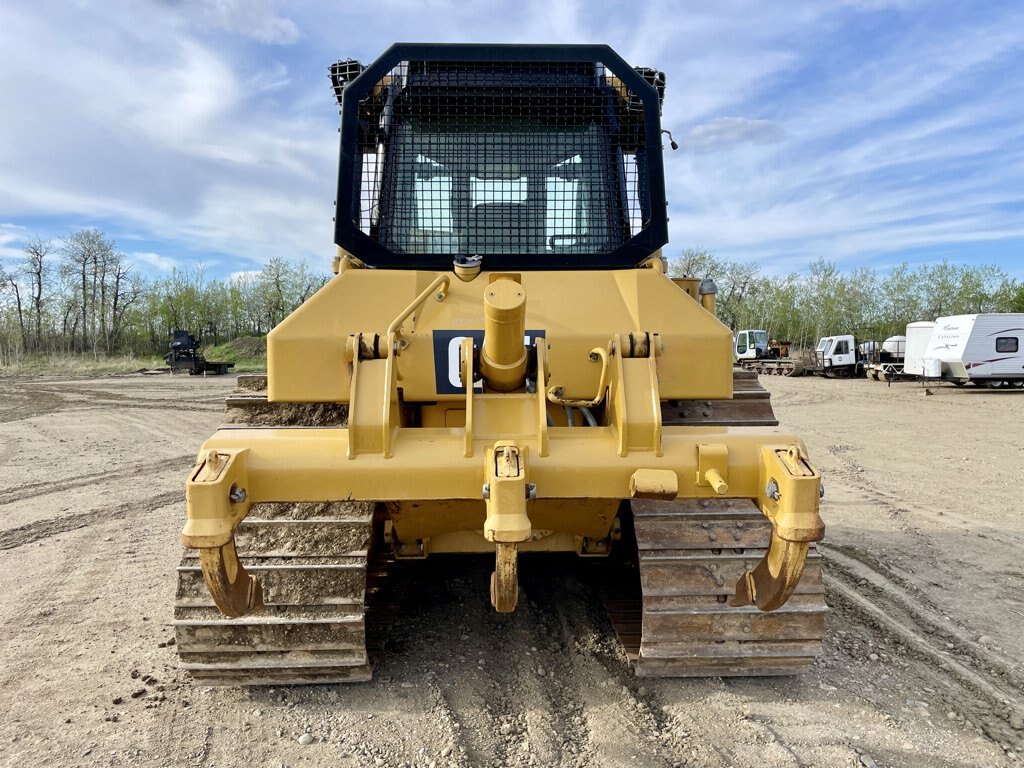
pixel 868 132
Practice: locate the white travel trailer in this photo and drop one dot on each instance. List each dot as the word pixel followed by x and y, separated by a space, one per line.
pixel 918 337
pixel 985 349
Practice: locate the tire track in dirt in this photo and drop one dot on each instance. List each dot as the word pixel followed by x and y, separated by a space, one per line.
pixel 106 399
pixel 985 684
pixel 565 701
pixel 585 642
pixel 767 724
pixel 562 623
pixel 523 689
pixel 668 736
pixel 556 635
pixel 24 403
pixel 44 601
pixel 65 396
pixel 452 728
pixel 32 490
pixel 789 400
pixel 501 693
pixel 142 406
pixel 859 569
pixel 674 723
pixel 986 687
pixel 43 529
pixel 856 568
pixel 480 701
pixel 865 483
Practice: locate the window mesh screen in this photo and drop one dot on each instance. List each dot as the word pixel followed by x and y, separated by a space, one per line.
pixel 463 158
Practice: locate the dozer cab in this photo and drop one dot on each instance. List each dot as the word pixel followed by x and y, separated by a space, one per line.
pixel 501 365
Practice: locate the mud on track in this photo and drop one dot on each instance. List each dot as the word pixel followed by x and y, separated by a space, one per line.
pixel 921 664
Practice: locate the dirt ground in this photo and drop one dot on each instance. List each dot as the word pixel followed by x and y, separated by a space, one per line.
pixel 922 663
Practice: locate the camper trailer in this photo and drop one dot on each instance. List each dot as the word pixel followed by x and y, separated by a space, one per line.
pixel 919 335
pixel 986 349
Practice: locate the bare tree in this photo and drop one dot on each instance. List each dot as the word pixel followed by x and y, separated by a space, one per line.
pixel 9 283
pixel 128 290
pixel 37 270
pixel 89 256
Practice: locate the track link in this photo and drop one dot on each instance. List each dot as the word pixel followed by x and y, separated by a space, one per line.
pixel 669 604
pixel 750 406
pixel 312 559
pixel 248 405
pixel 774 366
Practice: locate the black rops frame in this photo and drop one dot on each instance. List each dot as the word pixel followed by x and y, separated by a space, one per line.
pixel 634 251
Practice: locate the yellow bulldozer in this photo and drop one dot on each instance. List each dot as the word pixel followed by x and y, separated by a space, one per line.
pixel 500 365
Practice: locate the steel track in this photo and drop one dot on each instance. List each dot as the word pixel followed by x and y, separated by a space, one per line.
pixel 667 594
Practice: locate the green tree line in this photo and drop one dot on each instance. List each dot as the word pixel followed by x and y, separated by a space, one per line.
pixel 84 296
pixel 825 300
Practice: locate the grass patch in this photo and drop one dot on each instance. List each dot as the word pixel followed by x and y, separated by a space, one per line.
pixel 248 353
pixel 80 365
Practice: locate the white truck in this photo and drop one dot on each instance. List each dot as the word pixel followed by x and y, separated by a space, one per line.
pixel 837 357
pixel 984 349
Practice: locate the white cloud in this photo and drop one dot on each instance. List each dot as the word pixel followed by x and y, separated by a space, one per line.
pixel 11 233
pixel 561 21
pixel 727 132
pixel 155 260
pixel 255 19
pixel 144 124
pixel 12 238
pixel 270 225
